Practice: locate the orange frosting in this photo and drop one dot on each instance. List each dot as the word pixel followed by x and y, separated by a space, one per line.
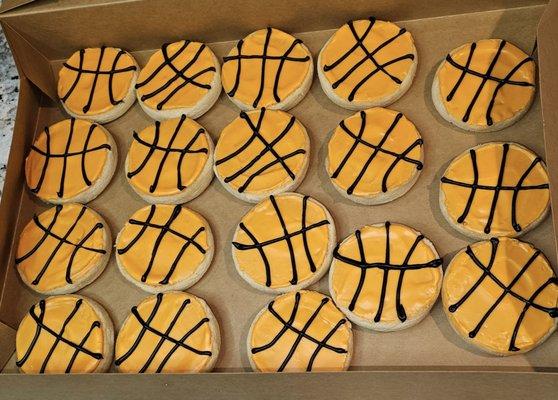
pixel 348 156
pixel 81 329
pixel 290 261
pixel 86 145
pixel 244 163
pixel 412 259
pixel 509 99
pixel 175 163
pixel 89 92
pixel 45 262
pixel 173 314
pixel 306 311
pixel 177 76
pixel 254 86
pixel 353 74
pixel 530 205
pixel 155 258
pixel 537 284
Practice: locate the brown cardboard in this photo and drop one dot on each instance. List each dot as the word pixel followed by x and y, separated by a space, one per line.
pixel 428 359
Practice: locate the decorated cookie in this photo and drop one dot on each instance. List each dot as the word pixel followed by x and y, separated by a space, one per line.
pixel 484 86
pixel 495 189
pixel 164 247
pixel 501 296
pixel 374 156
pixel 71 161
pixel 65 334
pixel 260 153
pixel 284 243
pixel 174 332
pixel 300 331
pixel 385 277
pixel 170 162
pixel 367 63
pixel 63 249
pixel 180 78
pixel 268 68
pixel 97 84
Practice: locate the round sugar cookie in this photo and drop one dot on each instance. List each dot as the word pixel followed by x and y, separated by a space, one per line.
pixel 71 161
pixel 63 249
pixel 501 296
pixel 268 68
pixel 261 153
pixel 97 83
pixel 164 247
pixel 181 78
pixel 367 63
pixel 170 162
pixel 495 189
pixel 65 334
pixel 300 331
pixel 385 277
pixel 374 156
pixel 484 86
pixel 284 243
pixel 173 332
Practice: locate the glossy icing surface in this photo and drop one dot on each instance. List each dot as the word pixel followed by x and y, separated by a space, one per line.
pixel 470 182
pixel 178 75
pixel 166 333
pixel 261 150
pixel 497 319
pixel 167 157
pixel 265 67
pixel 374 151
pixel 283 240
pixel 94 80
pixel 162 244
pixel 367 60
pixel 301 331
pixel 386 273
pixel 60 246
pixel 486 82
pixel 66 158
pixel 61 334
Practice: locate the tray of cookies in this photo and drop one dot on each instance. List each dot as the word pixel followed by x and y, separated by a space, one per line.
pixel 375 195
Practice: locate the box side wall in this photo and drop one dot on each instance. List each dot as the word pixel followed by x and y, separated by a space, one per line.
pixel 354 385
pixel 60 28
pixel 548 71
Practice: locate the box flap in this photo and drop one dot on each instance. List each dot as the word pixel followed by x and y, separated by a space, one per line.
pixel 30 61
pixel 548 67
pixel 8 5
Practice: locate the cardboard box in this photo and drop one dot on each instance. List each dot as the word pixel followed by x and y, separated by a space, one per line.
pixel 428 360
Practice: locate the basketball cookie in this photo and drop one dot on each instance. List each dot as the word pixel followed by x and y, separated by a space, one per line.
pixel 174 332
pixel 374 156
pixel 284 243
pixel 180 78
pixel 97 84
pixel 63 249
pixel 300 331
pixel 385 277
pixel 495 189
pixel 65 334
pixel 268 68
pixel 170 162
pixel 484 86
pixel 367 63
pixel 164 247
pixel 261 153
pixel 71 161
pixel 501 296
